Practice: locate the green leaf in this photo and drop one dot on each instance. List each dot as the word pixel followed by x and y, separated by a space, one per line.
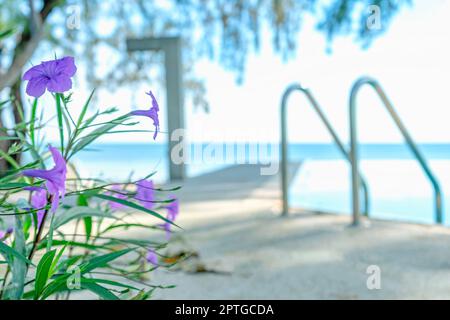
pixel 7 250
pixel 32 121
pixel 53 267
pixel 59 113
pixel 82 201
pixel 43 272
pixel 77 213
pixel 50 233
pixel 19 266
pixel 133 205
pixel 109 282
pixel 13 185
pixel 58 285
pixel 83 111
pixel 91 137
pixel 6 33
pixel 103 260
pixel 4 138
pixel 43 244
pixel 102 292
pixel 87 227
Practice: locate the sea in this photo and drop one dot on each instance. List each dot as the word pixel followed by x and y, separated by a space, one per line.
pixel 398 187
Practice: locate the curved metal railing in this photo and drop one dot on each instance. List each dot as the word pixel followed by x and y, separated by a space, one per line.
pixel 354 156
pixel 284 147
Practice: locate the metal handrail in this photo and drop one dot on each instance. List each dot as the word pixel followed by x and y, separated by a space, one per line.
pixel 284 149
pixel 354 156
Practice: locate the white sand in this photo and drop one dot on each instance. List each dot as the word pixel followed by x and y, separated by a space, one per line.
pixel 259 255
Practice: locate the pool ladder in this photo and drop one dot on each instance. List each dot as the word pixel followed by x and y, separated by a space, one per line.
pixel 284 145
pixel 353 154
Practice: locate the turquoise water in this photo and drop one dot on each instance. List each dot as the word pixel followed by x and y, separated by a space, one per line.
pixel 397 185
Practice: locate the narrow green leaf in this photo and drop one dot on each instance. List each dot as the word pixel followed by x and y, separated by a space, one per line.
pixel 13 185
pixel 58 285
pixel 77 213
pixel 32 121
pixel 103 260
pixel 19 266
pixel 54 265
pixel 88 139
pixel 59 113
pixel 87 227
pixel 43 272
pixel 7 250
pixel 82 201
pixel 102 292
pixel 6 33
pixel 43 244
pixel 133 205
pixel 109 282
pixel 84 110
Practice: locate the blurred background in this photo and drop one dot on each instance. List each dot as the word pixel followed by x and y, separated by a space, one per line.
pixel 237 59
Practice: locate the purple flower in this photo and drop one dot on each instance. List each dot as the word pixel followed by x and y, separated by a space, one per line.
pixel 39 201
pixel 55 177
pixel 173 209
pixel 152 113
pixel 172 213
pixel 116 194
pixel 52 75
pixel 5 234
pixel 168 228
pixel 152 257
pixel 145 193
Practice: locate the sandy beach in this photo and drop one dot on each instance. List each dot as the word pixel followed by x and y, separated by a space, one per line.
pixel 246 251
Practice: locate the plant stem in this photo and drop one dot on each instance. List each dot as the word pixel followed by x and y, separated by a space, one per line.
pixel 4 282
pixel 39 233
pixel 60 120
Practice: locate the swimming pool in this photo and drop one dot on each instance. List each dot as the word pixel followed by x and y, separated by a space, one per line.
pixel 398 188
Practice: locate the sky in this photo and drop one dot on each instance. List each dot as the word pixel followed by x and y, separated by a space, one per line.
pixel 411 61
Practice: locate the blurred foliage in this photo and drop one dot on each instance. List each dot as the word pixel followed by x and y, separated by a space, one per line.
pixel 223 30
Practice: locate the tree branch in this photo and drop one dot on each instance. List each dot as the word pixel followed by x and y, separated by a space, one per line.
pixel 29 41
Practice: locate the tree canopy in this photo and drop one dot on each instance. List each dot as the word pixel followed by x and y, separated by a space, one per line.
pixel 224 30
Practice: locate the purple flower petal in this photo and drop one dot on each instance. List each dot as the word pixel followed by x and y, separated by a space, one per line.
pixel 168 227
pixel 52 75
pixel 39 201
pixel 145 193
pixel 144 113
pixel 154 102
pixel 152 113
pixel 33 72
pixel 117 194
pixel 55 177
pixel 173 209
pixel 4 234
pixel 152 257
pixel 36 86
pixel 37 173
pixel 59 84
pixel 33 188
pixel 67 66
